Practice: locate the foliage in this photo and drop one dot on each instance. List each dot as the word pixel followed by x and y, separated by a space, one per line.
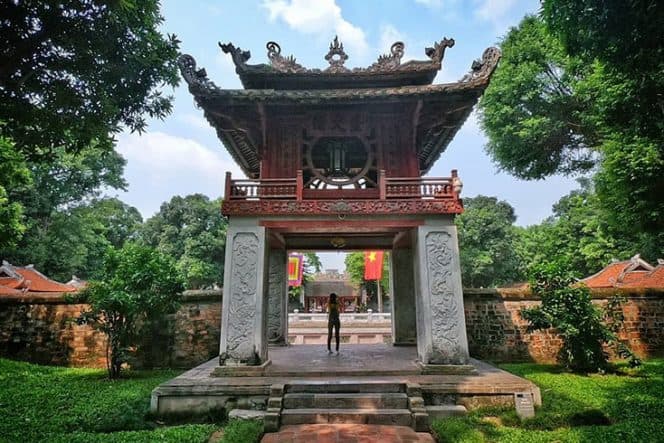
pixel 43 403
pixel 63 234
pixel 74 73
pixel 13 174
pixel 530 111
pixel 139 284
pixel 568 308
pixel 580 90
pixel 192 231
pixel 354 262
pixel 578 233
pixel 596 408
pixel 312 263
pixel 245 431
pixel 486 243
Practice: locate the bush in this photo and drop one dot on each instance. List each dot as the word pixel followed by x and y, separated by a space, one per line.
pixel 140 284
pixel 568 308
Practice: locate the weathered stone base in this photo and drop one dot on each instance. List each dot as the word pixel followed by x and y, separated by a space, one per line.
pixel 240 370
pixel 199 392
pixel 429 369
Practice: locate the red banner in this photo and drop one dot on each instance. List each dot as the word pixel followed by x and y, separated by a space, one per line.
pixel 373 265
pixel 295 269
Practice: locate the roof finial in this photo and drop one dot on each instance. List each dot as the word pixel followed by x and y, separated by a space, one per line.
pixel 336 56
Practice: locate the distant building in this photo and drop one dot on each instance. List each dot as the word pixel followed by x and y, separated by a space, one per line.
pixel 632 273
pixel 20 279
pixel 317 292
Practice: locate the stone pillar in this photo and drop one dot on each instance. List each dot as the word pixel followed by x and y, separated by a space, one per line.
pixel 403 297
pixel 277 309
pixel 244 308
pixel 441 325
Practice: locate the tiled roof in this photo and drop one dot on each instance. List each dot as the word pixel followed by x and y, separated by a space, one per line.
pixel 29 279
pixel 6 290
pixel 633 273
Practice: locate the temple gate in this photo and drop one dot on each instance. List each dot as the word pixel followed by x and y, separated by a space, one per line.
pixel 336 158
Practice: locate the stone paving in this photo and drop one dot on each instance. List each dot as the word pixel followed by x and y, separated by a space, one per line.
pixel 347 433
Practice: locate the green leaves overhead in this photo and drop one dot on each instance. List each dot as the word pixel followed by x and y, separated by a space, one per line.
pixel 74 72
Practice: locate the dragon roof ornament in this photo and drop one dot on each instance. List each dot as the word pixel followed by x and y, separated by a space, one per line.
pixel 336 57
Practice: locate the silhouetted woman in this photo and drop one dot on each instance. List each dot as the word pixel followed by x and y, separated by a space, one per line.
pixel 333 321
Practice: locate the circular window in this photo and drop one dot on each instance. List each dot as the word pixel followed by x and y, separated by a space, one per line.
pixel 339 161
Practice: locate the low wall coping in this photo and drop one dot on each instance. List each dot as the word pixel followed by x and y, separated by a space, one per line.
pixel 69 298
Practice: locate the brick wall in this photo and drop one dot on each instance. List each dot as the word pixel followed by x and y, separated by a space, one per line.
pixel 497 332
pixel 40 329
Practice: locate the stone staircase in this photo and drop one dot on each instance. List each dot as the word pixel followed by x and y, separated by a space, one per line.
pixel 376 403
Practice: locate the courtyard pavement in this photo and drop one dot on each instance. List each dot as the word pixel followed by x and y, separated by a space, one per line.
pixel 347 433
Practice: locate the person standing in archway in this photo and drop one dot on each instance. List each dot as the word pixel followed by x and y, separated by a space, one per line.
pixel 333 321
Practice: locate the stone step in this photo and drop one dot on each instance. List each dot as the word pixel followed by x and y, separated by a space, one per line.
pixel 443 411
pixel 394 400
pixel 345 387
pixel 400 417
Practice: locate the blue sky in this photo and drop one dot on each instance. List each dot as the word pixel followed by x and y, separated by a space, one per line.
pixel 182 155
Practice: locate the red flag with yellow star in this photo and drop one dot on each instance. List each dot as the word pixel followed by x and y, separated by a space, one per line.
pixel 373 265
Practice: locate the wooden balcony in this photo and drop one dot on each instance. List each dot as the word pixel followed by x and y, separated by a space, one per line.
pixel 393 194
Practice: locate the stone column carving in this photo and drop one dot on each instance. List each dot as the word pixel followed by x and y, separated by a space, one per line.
pixel 403 300
pixel 440 315
pixel 243 317
pixel 277 309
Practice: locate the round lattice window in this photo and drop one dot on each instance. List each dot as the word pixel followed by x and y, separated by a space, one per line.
pixel 339 161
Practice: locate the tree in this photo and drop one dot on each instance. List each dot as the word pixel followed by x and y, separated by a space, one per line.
pixel 139 284
pixel 192 231
pixel 486 243
pixel 579 234
pixel 530 112
pixel 61 238
pixel 13 174
pixel 578 91
pixel 73 72
pixel 569 309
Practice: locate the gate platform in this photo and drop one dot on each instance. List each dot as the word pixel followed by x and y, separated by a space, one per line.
pixel 198 392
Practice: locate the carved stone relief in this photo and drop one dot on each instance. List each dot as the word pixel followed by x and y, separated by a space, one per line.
pixel 444 305
pixel 240 346
pixel 276 296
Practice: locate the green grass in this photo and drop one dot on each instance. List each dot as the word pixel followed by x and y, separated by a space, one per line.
pixel 52 404
pixel 622 407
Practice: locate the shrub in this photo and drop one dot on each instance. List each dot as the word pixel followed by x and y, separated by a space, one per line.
pixel 140 284
pixel 568 308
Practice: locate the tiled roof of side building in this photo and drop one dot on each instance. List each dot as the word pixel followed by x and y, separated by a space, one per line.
pixel 6 290
pixel 30 280
pixel 607 277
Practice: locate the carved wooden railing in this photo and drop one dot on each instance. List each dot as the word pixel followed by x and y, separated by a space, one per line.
pixel 270 188
pixel 388 188
pixel 419 187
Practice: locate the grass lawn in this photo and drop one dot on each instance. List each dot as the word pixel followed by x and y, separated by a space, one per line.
pixel 52 404
pixel 576 408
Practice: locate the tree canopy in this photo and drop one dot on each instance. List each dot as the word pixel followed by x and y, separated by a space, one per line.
pixel 14 174
pixel 579 90
pixel 487 243
pixel 192 231
pixel 74 72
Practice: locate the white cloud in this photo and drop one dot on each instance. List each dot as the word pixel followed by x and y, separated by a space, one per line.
pixel 161 165
pixel 388 35
pixel 494 11
pixel 318 17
